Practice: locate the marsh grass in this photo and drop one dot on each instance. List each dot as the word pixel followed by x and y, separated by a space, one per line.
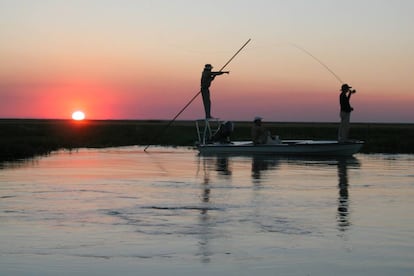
pixel 21 138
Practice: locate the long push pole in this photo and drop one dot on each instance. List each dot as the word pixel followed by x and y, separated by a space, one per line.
pixel 195 96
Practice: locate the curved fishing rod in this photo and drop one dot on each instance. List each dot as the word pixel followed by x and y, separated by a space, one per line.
pixel 318 60
pixel 195 96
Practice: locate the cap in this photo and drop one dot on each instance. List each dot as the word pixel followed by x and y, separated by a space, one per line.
pixel 345 87
pixel 257 118
pixel 208 66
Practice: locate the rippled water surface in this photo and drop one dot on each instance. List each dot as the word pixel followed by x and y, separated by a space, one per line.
pixel 172 212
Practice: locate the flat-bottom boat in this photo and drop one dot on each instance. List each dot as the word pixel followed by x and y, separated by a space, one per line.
pixel 275 147
pixel 285 147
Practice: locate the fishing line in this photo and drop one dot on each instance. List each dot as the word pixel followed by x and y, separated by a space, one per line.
pixel 318 60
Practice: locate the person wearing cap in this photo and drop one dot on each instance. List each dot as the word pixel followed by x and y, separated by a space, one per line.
pixel 206 78
pixel 345 113
pixel 259 132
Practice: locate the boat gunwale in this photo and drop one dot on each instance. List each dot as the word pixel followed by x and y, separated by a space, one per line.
pixel 299 147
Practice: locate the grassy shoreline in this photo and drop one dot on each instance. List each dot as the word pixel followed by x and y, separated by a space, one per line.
pixel 25 138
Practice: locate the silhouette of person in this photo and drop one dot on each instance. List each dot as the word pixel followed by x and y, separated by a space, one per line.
pixel 206 78
pixel 259 132
pixel 222 135
pixel 345 113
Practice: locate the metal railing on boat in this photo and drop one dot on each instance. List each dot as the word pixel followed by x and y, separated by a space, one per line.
pixel 204 129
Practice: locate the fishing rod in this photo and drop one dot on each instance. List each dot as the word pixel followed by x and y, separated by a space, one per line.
pixel 196 95
pixel 318 60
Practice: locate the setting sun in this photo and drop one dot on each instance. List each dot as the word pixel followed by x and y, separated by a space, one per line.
pixel 78 115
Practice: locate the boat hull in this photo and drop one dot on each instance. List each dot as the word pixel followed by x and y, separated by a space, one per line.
pixel 289 147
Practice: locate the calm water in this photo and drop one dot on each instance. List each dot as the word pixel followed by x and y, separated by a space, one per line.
pixel 172 212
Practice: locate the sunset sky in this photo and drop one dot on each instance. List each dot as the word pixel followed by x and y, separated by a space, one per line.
pixel 138 59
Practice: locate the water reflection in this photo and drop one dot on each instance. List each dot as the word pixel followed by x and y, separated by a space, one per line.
pixel 204 218
pixel 261 212
pixel 231 196
pixel 343 219
pixel 205 225
pixel 16 164
pixel 222 165
pixel 260 164
pixel 343 199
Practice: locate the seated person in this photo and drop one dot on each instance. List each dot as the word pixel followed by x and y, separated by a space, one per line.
pixel 260 135
pixel 222 135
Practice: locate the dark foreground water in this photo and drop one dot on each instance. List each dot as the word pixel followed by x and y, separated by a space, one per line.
pixel 121 211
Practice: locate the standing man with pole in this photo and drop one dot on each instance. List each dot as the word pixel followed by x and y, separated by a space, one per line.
pixel 346 110
pixel 196 95
pixel 206 78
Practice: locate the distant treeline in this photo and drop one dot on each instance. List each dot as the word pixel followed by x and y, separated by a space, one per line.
pixel 23 138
